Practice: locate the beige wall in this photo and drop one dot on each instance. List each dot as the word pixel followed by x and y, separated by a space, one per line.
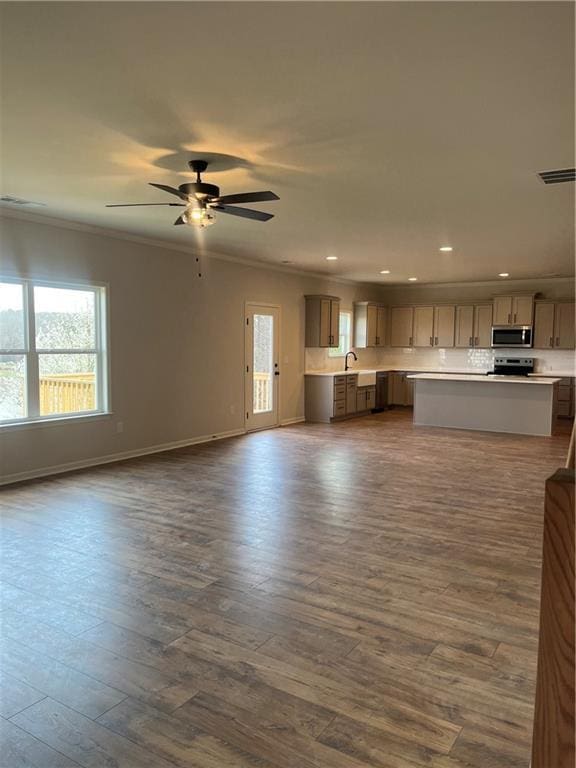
pixel 177 341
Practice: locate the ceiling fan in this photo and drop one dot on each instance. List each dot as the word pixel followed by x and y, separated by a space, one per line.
pixel 201 199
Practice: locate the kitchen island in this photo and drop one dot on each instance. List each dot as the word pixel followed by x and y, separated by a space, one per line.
pixel 515 404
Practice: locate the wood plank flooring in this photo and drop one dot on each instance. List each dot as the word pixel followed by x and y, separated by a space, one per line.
pixel 344 596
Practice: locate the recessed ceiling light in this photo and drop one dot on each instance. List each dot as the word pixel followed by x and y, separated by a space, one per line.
pixel 504 274
pixel 412 279
pixel 446 248
pixel 384 271
pixel 331 258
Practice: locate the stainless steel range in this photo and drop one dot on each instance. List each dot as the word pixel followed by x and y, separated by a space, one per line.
pixel 512 366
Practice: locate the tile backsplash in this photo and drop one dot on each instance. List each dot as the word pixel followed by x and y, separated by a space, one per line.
pixel 474 359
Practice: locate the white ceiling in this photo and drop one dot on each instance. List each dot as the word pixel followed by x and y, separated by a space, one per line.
pixel 387 129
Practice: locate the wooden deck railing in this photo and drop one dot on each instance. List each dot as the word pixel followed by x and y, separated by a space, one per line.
pixel 67 393
pixel 554 716
pixel 262 391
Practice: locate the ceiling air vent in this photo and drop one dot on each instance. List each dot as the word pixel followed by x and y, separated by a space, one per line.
pixel 557 177
pixel 17 201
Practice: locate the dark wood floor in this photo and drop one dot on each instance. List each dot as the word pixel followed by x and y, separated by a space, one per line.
pixel 362 594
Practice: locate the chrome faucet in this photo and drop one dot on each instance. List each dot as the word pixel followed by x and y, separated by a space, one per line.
pixel 346 366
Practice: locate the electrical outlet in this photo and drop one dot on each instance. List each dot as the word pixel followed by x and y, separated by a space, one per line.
pixel 119 427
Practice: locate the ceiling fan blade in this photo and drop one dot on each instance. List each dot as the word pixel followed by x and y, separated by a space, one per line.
pixel 245 213
pixel 179 220
pixel 133 205
pixel 172 190
pixel 247 197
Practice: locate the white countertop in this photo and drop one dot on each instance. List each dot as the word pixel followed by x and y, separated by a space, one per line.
pixel 431 369
pixel 546 381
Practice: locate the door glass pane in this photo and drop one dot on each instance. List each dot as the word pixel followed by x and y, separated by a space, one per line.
pixel 263 365
pixel 65 318
pixel 67 383
pixel 12 316
pixel 12 387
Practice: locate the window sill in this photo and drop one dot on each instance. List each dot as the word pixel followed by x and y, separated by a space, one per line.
pixel 56 421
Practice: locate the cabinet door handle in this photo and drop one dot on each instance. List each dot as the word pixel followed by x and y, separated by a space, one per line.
pixel 476 340
pixel 436 341
pixel 515 316
pixel 557 341
pixel 471 342
pixel 551 341
pixel 431 341
pixel 509 319
pixel 410 341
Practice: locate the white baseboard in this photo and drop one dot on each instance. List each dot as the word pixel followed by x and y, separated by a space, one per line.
pixel 295 420
pixel 58 469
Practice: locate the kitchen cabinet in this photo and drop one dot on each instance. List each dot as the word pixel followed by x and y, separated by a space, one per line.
pixel 365 398
pixel 464 331
pixel 369 324
pixel 564 325
pixel 401 326
pixel 433 326
pixel 554 325
pixel 482 336
pixel 331 397
pixel 513 310
pixel 544 325
pixel 423 327
pixel 444 316
pixel 322 321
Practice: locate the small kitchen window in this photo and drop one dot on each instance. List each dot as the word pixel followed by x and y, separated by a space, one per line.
pixel 52 351
pixel 345 335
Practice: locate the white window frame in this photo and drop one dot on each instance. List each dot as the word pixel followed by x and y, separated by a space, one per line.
pixel 32 355
pixel 345 339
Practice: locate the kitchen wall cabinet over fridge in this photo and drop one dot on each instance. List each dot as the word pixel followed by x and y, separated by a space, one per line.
pixel 322 321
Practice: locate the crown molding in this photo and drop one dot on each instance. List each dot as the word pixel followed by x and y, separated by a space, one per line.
pixel 91 229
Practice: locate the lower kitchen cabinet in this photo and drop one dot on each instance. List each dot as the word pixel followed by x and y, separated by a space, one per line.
pixel 330 397
pixel 565 398
pixel 365 399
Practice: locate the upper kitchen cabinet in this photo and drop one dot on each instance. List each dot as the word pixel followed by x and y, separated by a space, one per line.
pixel 369 324
pixel 434 326
pixel 322 321
pixel 544 325
pixel 423 335
pixel 564 325
pixel 483 326
pixel 554 325
pixel 513 310
pixel 473 325
pixel 444 316
pixel 464 331
pixel 401 326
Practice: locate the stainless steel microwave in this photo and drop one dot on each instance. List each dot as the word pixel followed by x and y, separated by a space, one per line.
pixel 511 336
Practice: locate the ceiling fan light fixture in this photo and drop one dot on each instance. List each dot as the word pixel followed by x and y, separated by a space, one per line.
pixel 197 216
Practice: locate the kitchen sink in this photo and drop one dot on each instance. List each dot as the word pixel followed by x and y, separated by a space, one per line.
pixel 365 378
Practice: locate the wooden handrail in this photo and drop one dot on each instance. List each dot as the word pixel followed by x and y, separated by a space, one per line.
pixel 554 716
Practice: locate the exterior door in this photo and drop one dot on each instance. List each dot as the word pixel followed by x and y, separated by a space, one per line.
pixel 261 366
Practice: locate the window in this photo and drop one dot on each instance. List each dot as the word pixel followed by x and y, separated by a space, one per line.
pixel 345 336
pixel 52 350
